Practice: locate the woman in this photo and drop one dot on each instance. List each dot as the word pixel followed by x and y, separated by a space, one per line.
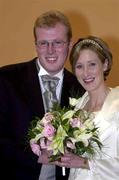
pixel 91 62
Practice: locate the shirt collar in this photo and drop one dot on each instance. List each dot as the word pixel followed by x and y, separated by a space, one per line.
pixel 42 71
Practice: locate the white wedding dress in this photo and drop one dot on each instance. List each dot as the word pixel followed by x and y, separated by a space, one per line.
pixel 105 166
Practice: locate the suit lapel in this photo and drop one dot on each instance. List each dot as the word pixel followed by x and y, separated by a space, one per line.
pixel 65 90
pixel 34 90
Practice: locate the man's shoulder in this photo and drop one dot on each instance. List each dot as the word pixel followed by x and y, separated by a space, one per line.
pixel 75 88
pixel 69 74
pixel 15 69
pixel 69 77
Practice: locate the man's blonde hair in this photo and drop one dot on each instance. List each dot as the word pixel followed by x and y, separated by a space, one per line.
pixel 50 19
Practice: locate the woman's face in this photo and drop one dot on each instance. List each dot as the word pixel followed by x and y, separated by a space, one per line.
pixel 89 70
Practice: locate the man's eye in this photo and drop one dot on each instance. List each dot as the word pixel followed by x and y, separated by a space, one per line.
pixel 92 64
pixel 58 42
pixel 43 43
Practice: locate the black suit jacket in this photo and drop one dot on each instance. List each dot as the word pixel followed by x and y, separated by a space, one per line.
pixel 20 102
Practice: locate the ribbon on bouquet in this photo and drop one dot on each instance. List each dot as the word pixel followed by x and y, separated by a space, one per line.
pixel 63 171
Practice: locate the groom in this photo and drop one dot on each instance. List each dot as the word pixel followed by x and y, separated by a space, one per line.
pixel 21 96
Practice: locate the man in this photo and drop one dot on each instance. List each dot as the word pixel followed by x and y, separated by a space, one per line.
pixel 21 95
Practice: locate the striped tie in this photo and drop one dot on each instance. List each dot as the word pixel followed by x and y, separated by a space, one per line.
pixel 50 84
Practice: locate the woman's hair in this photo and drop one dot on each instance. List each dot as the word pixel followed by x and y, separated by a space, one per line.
pixel 50 19
pixel 95 44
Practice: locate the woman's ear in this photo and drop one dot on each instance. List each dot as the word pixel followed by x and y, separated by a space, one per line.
pixel 105 65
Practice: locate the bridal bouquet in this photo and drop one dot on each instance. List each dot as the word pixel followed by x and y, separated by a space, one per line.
pixel 65 129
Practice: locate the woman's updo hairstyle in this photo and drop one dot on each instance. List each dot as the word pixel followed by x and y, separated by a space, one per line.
pixel 95 44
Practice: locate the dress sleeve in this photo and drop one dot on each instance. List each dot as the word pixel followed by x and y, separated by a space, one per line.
pixel 106 165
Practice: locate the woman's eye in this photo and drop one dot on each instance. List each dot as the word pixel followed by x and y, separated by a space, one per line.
pixel 78 66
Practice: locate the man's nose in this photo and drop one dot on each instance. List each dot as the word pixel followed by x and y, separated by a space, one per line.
pixel 51 48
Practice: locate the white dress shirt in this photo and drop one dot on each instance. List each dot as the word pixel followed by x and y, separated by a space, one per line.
pixel 60 75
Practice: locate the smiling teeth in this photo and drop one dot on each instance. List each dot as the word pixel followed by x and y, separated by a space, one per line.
pixel 88 80
pixel 51 59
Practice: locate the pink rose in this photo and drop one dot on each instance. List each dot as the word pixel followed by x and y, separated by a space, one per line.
pixel 48 131
pixel 47 118
pixel 44 143
pixel 75 122
pixel 35 148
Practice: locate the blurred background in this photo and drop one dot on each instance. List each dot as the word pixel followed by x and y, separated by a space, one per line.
pixel 87 17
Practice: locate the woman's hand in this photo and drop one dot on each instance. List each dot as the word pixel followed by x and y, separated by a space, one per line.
pixel 71 160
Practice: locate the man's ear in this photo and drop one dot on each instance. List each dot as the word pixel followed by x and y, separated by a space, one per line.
pixel 70 45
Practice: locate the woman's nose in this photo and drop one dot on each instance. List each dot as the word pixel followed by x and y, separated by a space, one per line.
pixel 86 71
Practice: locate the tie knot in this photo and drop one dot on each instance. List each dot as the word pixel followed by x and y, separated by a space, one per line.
pixel 50 82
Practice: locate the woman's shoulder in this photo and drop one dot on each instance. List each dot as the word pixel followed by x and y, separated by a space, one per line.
pixel 116 88
pixel 114 92
pixel 112 100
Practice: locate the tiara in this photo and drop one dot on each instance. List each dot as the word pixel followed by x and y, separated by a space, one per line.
pixel 91 41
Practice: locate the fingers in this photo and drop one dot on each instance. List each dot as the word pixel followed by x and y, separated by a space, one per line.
pixel 62 164
pixel 43 157
pixel 72 161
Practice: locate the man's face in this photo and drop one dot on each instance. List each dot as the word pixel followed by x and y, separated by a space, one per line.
pixel 52 47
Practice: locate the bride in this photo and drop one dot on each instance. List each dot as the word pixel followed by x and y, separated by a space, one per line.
pixel 91 61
